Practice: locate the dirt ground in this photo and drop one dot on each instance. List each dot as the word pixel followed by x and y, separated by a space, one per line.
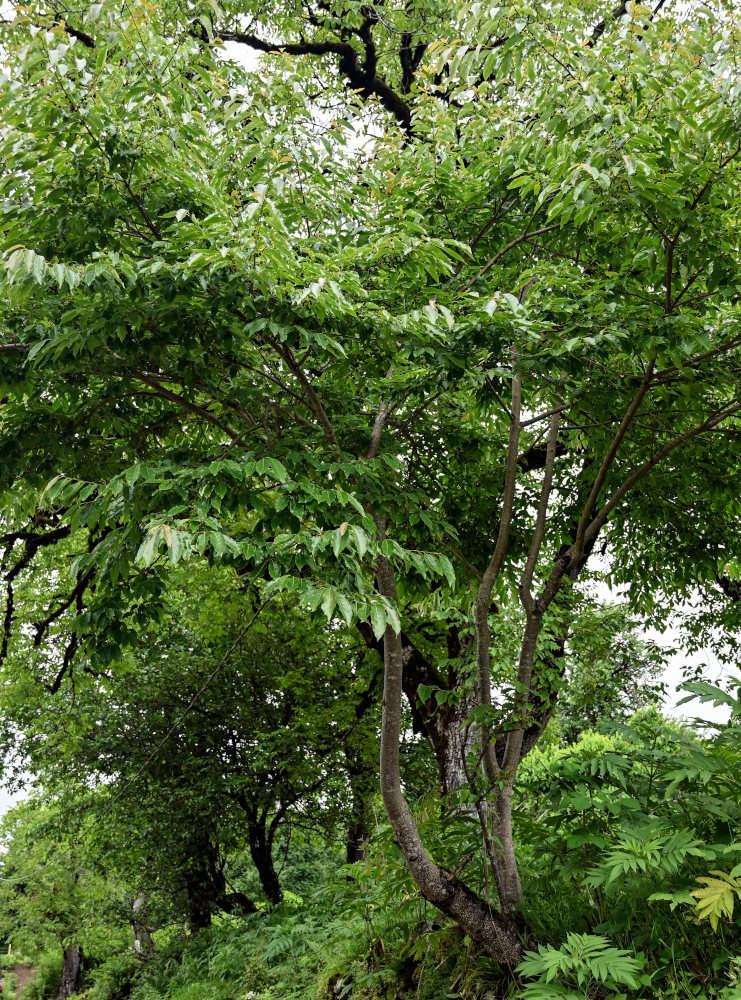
pixel 23 975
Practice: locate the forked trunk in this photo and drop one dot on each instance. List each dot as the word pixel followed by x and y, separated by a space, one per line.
pixel 494 932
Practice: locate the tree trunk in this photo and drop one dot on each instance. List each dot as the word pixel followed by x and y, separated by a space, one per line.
pixel 356 844
pixel 262 856
pixel 362 778
pixel 71 969
pixel 200 893
pixel 143 944
pixel 453 742
pixel 494 932
pixel 506 872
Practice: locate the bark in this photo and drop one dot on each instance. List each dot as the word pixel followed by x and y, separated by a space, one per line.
pixel 359 746
pixel 495 934
pixel 261 850
pixel 206 887
pixel 143 944
pixel 441 724
pixel 362 786
pixel 453 741
pixel 506 872
pixel 71 969
pixel 200 895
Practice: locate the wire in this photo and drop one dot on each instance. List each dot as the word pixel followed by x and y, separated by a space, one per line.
pixel 65 853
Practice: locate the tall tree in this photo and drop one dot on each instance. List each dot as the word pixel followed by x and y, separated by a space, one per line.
pixel 477 301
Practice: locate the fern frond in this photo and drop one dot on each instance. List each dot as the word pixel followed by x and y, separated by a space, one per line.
pixel 717 898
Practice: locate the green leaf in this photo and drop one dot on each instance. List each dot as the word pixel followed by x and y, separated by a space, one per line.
pixel 329 600
pixel 272 467
pixel 149 548
pixel 715 900
pixel 378 619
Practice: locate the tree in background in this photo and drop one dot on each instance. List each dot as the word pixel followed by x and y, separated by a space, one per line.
pixel 52 894
pixel 611 672
pixel 206 742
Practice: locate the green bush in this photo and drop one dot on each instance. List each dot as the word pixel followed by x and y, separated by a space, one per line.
pixel 115 978
pixel 583 963
pixel 45 984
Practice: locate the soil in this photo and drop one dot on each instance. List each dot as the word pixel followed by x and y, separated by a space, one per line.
pixel 23 975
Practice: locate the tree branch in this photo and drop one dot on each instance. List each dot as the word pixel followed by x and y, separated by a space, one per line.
pixel 483 596
pixel 644 469
pixel 526 596
pixel 362 77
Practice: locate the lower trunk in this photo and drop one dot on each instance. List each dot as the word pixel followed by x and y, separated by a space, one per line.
pixel 506 873
pixel 262 857
pixel 200 901
pixel 201 892
pixel 143 944
pixel 71 969
pixel 494 932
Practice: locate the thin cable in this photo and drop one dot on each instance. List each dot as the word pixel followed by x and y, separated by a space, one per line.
pixel 150 758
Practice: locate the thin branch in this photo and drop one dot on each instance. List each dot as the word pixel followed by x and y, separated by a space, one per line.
pixel 513 243
pixel 384 411
pixel 315 404
pixel 73 32
pixel 503 210
pixel 174 397
pixel 648 465
pixel 610 456
pixel 723 349
pixel 483 596
pixel 599 30
pixel 526 596
pixel 543 416
pixel 668 276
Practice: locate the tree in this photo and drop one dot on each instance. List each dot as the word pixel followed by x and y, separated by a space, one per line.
pixel 208 743
pixel 611 672
pixel 53 895
pixel 501 332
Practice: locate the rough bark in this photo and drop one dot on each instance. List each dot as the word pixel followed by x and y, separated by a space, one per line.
pixel 453 741
pixel 441 724
pixel 71 970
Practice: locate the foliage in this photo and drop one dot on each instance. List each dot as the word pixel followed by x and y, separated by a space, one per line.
pixel 627 823
pixel 716 898
pixel 611 673
pixel 394 327
pixel 572 970
pixel 45 984
pixel 54 894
